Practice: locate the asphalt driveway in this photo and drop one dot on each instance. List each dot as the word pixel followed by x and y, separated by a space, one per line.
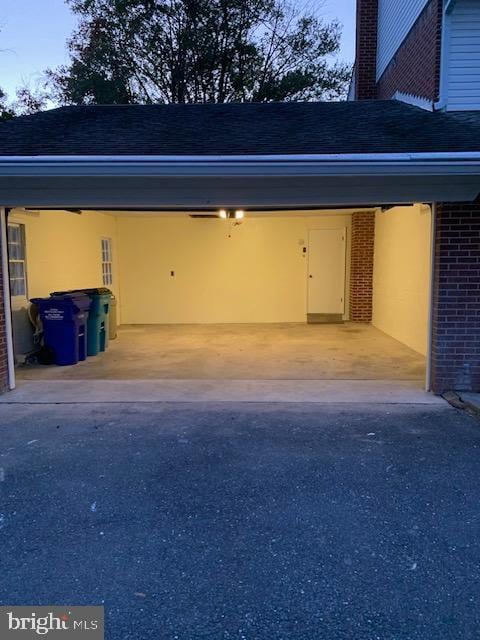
pixel 254 522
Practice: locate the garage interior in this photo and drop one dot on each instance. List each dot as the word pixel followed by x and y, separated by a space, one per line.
pixel 266 295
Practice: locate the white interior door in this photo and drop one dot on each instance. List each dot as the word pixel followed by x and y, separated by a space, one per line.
pixel 326 271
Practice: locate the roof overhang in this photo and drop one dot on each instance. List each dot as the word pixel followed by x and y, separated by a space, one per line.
pixel 208 181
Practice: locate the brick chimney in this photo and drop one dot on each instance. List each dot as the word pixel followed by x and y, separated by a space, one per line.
pixel 366 50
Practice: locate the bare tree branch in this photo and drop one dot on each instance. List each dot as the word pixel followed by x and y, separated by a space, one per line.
pixel 199 50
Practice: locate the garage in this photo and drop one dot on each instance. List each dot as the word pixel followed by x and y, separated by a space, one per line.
pixel 287 295
pixel 255 251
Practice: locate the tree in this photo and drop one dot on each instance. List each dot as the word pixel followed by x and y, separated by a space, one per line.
pixel 6 112
pixel 29 100
pixel 177 51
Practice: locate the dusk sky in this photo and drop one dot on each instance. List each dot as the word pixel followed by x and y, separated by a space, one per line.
pixel 34 33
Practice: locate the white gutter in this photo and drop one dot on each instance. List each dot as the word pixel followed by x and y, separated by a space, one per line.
pixel 6 299
pixel 343 165
pixel 275 158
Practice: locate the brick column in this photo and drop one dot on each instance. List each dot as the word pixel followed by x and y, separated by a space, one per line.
pixel 366 50
pixel 3 339
pixel 361 266
pixel 456 298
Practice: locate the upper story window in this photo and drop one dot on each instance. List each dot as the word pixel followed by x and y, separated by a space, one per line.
pixel 107 262
pixel 17 260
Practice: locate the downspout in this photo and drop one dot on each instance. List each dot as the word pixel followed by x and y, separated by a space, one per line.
pixel 433 228
pixel 6 299
pixel 441 103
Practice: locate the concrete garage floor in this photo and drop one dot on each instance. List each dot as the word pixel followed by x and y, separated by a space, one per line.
pixel 245 351
pixel 261 522
pixel 244 362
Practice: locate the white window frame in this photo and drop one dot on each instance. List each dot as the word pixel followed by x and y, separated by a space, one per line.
pixel 107 261
pixel 22 261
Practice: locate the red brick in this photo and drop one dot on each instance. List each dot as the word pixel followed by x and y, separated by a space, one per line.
pixel 415 68
pixel 456 300
pixel 366 50
pixel 361 266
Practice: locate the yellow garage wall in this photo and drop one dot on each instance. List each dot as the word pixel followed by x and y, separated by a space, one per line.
pixel 64 249
pixel 256 275
pixel 401 280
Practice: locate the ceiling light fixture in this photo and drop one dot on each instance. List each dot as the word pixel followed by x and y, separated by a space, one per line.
pixel 231 214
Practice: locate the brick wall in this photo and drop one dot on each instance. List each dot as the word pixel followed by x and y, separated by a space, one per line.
pixel 415 68
pixel 366 50
pixel 3 345
pixel 456 300
pixel 361 268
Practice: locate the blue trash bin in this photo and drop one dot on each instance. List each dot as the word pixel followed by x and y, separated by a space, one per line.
pixel 64 320
pixel 98 318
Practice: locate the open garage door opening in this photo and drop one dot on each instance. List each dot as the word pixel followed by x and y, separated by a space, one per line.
pixel 232 295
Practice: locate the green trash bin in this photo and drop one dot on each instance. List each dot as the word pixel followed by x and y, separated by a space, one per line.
pixel 98 323
pixel 98 327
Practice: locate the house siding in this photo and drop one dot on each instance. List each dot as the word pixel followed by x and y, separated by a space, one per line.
pixel 415 67
pixel 462 56
pixel 456 298
pixel 395 20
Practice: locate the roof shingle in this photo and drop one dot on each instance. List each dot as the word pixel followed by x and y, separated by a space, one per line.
pixel 235 129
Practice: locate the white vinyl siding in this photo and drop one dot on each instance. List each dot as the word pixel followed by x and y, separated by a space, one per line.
pixel 395 19
pixel 461 79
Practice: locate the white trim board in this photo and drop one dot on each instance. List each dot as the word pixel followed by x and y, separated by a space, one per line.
pixel 6 299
